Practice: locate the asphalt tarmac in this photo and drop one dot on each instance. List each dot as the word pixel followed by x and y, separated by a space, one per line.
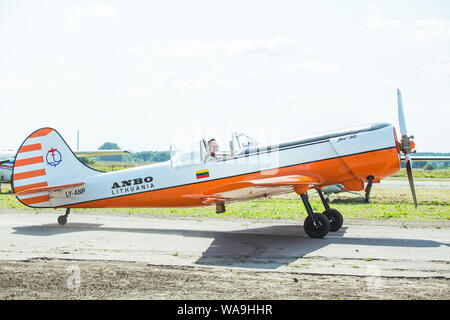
pixel 358 249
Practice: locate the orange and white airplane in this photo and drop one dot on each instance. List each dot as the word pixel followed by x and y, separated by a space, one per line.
pixel 47 174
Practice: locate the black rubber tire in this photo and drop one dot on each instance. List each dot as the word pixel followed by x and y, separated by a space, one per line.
pixel 322 221
pixel 62 220
pixel 336 219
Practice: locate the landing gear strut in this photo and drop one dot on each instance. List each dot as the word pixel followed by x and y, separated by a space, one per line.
pixel 62 220
pixel 220 207
pixel 368 188
pixel 316 225
pixel 335 217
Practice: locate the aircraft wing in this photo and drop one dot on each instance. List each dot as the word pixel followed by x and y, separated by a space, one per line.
pixel 95 153
pixel 249 189
pixel 49 188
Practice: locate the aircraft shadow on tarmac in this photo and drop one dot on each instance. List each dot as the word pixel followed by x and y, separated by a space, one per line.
pixel 263 248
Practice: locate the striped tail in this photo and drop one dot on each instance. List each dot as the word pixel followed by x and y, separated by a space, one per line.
pixel 45 160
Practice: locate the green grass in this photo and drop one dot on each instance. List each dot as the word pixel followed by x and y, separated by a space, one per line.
pixel 420 173
pixel 9 201
pixel 290 207
pixel 388 203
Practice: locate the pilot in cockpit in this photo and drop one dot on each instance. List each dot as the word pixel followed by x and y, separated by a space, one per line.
pixel 212 148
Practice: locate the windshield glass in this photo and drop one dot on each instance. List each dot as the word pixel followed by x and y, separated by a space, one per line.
pixel 244 141
pixel 184 156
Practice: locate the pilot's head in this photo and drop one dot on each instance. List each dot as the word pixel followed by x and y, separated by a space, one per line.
pixel 213 146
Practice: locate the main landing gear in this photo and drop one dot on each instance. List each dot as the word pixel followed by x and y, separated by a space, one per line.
pixel 62 220
pixel 335 217
pixel 368 188
pixel 317 225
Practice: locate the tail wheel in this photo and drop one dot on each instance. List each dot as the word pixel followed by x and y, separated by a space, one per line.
pixel 62 220
pixel 336 219
pixel 319 229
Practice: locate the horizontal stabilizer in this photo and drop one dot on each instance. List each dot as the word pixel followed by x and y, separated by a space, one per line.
pixel 50 188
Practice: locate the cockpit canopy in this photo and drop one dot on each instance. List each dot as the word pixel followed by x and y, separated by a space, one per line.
pixel 196 153
pixel 241 142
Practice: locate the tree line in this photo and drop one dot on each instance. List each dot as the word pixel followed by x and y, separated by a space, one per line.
pixel 430 165
pixel 141 156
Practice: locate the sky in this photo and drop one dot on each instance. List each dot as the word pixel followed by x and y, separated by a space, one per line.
pixel 148 74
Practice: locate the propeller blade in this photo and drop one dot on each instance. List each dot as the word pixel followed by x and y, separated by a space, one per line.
pixel 410 177
pixel 401 115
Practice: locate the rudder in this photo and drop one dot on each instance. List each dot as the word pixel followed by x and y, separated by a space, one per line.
pixel 44 159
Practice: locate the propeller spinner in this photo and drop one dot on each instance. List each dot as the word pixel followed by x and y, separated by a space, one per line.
pixel 406 145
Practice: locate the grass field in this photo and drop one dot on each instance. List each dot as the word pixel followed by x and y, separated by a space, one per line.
pixel 420 173
pixel 387 203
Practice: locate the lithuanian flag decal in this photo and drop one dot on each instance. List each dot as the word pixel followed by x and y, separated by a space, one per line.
pixel 202 174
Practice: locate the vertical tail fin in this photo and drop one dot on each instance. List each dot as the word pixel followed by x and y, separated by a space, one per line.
pixel 44 159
